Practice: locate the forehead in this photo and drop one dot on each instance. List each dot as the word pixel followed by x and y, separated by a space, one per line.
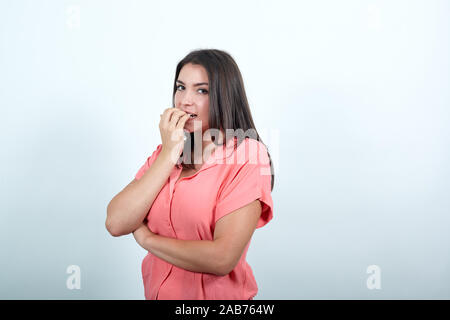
pixel 193 73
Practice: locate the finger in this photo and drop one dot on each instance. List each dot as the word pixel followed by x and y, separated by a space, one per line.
pixel 175 118
pixel 177 113
pixel 181 122
pixel 165 118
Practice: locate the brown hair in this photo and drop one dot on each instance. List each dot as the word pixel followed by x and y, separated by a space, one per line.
pixel 228 105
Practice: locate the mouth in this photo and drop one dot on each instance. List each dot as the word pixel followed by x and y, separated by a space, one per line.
pixel 191 115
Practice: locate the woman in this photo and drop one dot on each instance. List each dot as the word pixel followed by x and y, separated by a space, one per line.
pixel 196 219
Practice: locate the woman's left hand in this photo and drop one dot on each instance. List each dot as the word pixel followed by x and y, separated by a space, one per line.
pixel 142 234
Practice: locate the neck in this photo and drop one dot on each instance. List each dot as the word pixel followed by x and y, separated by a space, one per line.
pixel 206 143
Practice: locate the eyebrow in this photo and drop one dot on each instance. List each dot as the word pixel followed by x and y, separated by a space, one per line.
pixel 195 85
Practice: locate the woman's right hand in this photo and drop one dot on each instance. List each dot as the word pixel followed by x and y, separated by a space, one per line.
pixel 171 127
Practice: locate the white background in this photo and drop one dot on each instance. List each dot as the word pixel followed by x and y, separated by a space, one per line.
pixel 351 97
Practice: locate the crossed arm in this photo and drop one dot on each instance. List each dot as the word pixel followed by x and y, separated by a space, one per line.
pixel 219 256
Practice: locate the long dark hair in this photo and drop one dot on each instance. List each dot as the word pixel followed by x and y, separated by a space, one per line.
pixel 228 105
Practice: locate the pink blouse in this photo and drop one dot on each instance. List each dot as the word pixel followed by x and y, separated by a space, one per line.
pixel 189 208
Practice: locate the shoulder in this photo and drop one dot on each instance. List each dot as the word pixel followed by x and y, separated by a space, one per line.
pixel 151 158
pixel 148 162
pixel 156 152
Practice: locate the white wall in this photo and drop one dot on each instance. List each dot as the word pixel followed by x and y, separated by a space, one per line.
pixel 351 97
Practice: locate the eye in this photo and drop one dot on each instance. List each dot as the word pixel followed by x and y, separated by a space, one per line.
pixel 205 91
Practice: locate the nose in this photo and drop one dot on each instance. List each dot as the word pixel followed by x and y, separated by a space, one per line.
pixel 187 98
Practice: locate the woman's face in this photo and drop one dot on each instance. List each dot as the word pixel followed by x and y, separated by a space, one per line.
pixel 192 96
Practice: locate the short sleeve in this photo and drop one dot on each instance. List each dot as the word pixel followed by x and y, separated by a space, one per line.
pixel 247 182
pixel 148 162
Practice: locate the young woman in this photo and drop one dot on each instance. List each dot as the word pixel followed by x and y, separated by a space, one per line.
pixel 196 201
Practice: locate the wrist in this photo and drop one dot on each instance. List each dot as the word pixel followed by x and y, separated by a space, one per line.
pixel 169 156
pixel 147 242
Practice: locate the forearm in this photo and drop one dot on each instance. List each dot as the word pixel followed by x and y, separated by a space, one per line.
pixel 129 207
pixel 191 255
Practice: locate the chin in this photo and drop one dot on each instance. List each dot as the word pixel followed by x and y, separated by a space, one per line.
pixel 190 127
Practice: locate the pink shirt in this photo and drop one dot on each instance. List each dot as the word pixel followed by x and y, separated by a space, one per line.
pixel 189 208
